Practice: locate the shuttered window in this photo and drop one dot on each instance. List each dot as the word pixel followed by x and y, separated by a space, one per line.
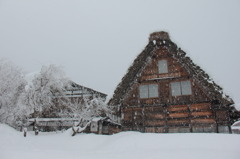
pixel 162 66
pixel 181 88
pixel 148 91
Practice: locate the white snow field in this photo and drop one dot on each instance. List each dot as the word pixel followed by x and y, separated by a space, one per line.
pixel 125 145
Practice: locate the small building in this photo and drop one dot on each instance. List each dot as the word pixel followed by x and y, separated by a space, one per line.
pixel 164 91
pixel 76 95
pixel 60 115
pixel 104 125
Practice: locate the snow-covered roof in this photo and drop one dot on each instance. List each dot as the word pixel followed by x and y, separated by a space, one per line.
pixel 105 119
pixel 236 124
pixel 84 90
pixel 52 119
pixel 98 119
pixel 77 90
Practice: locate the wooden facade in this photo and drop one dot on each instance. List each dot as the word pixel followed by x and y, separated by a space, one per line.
pixel 165 92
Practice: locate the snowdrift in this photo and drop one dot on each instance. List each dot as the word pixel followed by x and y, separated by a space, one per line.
pixel 125 145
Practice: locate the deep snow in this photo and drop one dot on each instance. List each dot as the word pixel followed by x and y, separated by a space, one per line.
pixel 119 146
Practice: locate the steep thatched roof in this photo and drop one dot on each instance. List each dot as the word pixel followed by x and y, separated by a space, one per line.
pixel 75 86
pixel 162 39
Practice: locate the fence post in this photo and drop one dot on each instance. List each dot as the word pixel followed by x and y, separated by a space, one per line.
pixel 24 131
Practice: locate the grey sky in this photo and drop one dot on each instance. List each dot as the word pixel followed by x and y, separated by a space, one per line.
pixel 96 41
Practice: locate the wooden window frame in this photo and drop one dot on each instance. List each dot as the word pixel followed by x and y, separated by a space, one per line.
pixel 148 90
pixel 158 66
pixel 181 88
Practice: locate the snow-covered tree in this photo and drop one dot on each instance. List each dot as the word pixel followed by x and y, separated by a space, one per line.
pixel 87 109
pixel 44 96
pixel 45 86
pixel 12 84
pixel 47 97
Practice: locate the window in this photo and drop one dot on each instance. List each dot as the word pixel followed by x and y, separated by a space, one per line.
pixel 181 88
pixel 176 88
pixel 148 91
pixel 143 91
pixel 152 90
pixel 162 66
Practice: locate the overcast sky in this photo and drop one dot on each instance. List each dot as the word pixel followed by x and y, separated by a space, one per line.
pixel 96 41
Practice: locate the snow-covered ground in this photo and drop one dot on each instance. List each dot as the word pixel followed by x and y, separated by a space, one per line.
pixel 125 145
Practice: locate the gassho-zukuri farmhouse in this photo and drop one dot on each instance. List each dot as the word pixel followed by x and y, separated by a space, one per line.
pixel 163 91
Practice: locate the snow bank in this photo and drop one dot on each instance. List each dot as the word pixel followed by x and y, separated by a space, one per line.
pixel 125 145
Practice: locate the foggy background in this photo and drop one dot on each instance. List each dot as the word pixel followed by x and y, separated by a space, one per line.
pixel 96 41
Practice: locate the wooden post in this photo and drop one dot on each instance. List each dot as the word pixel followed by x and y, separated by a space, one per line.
pixel 36 130
pixel 215 117
pixel 230 130
pixel 132 119
pixel 21 128
pixel 25 132
pixel 229 122
pixel 143 118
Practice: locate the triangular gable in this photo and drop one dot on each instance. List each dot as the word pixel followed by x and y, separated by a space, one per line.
pixel 159 40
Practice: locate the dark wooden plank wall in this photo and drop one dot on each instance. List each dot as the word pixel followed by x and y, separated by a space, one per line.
pixel 147 119
pixel 164 113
